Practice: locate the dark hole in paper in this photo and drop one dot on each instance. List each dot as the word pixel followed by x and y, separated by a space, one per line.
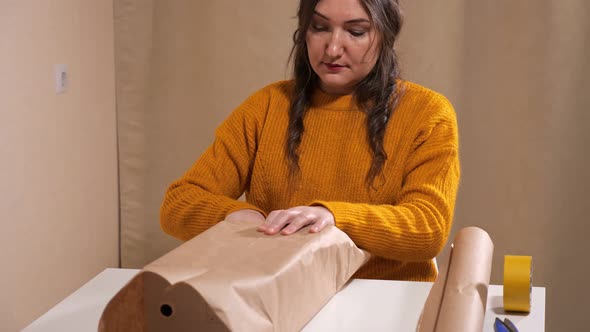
pixel 166 310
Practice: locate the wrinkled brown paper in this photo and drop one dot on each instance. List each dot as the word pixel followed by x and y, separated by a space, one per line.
pixel 233 278
pixel 457 300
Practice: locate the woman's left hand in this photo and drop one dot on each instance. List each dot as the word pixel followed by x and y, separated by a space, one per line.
pixel 296 218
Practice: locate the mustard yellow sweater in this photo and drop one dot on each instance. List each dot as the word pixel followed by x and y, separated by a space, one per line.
pixel 404 222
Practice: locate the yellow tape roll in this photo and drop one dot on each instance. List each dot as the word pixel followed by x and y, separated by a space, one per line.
pixel 518 275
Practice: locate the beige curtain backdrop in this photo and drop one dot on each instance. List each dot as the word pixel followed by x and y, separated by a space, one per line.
pixel 515 71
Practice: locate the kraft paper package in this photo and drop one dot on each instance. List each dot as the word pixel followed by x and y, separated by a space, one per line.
pixel 458 298
pixel 233 278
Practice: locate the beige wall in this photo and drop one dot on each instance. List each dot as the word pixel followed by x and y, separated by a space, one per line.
pixel 58 166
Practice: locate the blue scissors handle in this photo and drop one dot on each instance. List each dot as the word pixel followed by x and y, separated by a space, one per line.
pixel 504 326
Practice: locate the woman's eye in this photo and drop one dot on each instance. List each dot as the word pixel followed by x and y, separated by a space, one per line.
pixel 318 28
pixel 357 33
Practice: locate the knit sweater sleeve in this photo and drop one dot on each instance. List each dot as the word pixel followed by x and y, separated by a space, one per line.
pixel 209 190
pixel 417 227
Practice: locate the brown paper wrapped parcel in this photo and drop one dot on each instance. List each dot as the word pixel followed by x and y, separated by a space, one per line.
pixel 233 278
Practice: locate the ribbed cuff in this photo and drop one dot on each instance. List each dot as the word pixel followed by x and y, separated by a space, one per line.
pixel 239 205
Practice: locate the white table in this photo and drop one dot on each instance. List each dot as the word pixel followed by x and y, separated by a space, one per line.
pixel 363 305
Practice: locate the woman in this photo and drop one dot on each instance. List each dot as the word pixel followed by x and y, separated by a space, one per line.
pixel 345 143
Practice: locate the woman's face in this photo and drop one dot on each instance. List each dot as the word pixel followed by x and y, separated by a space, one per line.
pixel 341 44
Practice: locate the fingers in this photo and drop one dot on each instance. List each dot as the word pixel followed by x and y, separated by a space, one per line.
pixel 275 222
pixel 296 218
pixel 292 220
pixel 318 226
pixel 298 222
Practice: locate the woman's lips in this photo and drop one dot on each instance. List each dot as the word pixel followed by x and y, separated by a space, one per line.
pixel 334 66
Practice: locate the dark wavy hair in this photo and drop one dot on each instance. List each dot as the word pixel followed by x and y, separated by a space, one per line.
pixel 376 93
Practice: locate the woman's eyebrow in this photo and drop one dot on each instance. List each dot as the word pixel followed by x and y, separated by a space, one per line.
pixel 356 20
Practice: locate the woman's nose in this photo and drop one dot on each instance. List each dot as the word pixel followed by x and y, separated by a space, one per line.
pixel 334 46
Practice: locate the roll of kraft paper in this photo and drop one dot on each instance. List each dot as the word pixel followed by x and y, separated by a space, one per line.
pixel 518 271
pixel 457 300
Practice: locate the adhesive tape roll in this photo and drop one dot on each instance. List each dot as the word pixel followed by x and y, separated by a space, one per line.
pixel 518 275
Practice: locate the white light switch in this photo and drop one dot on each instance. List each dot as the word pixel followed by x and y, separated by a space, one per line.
pixel 61 78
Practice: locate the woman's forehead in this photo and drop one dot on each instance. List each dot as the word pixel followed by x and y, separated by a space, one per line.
pixel 341 11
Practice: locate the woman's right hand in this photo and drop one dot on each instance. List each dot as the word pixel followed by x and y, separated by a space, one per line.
pixel 246 215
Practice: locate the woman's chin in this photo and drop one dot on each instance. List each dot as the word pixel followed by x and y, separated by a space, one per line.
pixel 336 87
